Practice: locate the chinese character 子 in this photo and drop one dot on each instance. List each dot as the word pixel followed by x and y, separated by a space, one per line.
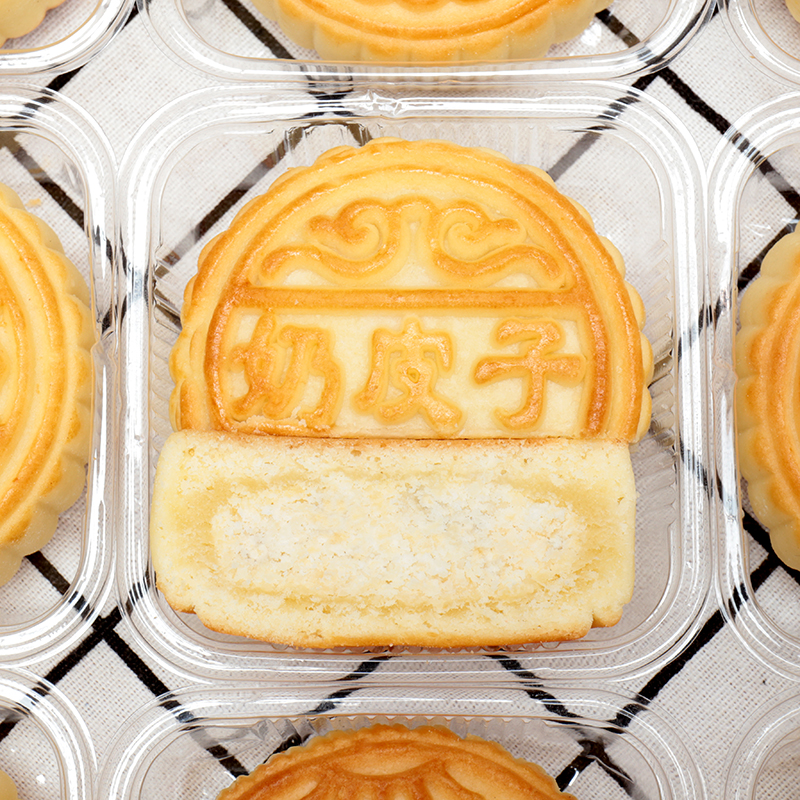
pixel 278 366
pixel 535 364
pixel 409 362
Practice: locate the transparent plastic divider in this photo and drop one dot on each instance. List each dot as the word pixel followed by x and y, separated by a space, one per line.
pixel 192 743
pixel 748 171
pixel 562 123
pixel 189 32
pixel 76 147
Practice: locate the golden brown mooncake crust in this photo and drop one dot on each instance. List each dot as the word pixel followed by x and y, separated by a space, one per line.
pixel 46 333
pixel 8 790
pixel 395 761
pixel 412 290
pixel 18 17
pixel 767 401
pixel 794 8
pixel 430 30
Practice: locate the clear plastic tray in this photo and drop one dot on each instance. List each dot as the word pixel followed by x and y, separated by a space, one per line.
pixel 752 181
pixel 68 37
pixel 626 159
pixel 234 41
pixel 191 744
pixel 59 163
pixel 764 759
pixel 45 746
pixel 767 34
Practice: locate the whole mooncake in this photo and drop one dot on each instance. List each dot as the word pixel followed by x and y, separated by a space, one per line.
pixel 430 30
pixel 46 332
pixel 767 400
pixel 398 762
pixel 405 388
pixel 18 17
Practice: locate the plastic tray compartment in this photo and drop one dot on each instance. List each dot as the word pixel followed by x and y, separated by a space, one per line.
pixel 191 744
pixel 68 37
pixel 233 40
pixel 753 185
pixel 195 163
pixel 764 760
pixel 59 163
pixel 767 35
pixel 44 744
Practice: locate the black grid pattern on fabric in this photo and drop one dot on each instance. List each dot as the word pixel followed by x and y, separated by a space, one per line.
pixel 104 629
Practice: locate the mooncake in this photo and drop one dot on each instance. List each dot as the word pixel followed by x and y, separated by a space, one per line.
pixel 767 401
pixel 430 30
pixel 46 332
pixel 8 791
pixel 794 8
pixel 422 358
pixel 18 17
pixel 398 762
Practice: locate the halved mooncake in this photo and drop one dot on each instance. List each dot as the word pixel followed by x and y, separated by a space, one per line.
pixel 406 384
pixel 430 30
pixel 767 395
pixel 398 762
pixel 18 17
pixel 46 332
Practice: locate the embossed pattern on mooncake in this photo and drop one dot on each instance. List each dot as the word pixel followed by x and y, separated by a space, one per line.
pixel 412 290
pixel 430 30
pixel 767 399
pixel 46 332
pixel 18 17
pixel 398 762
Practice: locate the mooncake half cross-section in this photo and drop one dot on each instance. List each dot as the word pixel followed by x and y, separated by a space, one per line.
pixel 46 333
pixel 396 761
pixel 407 31
pixel 407 381
pixel 767 399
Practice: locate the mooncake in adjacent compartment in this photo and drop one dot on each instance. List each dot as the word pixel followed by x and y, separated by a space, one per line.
pixel 18 17
pixel 46 333
pixel 767 395
pixel 794 8
pixel 396 761
pixel 8 791
pixel 430 30
pixel 406 384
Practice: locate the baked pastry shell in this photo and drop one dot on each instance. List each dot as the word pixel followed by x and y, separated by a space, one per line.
pixel 237 729
pixel 219 151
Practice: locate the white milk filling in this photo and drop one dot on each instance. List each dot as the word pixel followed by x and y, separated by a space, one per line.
pixel 408 540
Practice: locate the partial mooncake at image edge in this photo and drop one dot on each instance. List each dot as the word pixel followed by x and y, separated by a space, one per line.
pixel 430 30
pixel 396 761
pixel 46 333
pixel 8 791
pixel 794 8
pixel 768 396
pixel 18 17
pixel 418 361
